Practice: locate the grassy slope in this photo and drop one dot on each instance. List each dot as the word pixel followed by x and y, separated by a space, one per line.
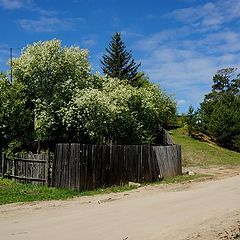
pixel 197 153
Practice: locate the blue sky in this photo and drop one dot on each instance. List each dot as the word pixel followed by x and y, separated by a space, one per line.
pixel 180 43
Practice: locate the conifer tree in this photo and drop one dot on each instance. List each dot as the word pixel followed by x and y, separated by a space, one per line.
pixel 118 63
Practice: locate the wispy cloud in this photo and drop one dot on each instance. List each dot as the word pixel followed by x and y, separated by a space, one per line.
pixel 28 5
pixel 41 11
pixel 209 16
pixel 158 39
pixel 186 72
pixel 181 102
pixel 89 42
pixel 49 24
pixel 130 33
pixel 12 4
pixel 46 21
pixel 226 41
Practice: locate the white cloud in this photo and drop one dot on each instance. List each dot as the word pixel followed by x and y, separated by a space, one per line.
pixel 223 41
pixel 42 24
pixel 181 102
pixel 188 74
pixel 49 24
pixel 41 11
pixel 129 33
pixel 210 16
pixel 27 5
pixel 46 20
pixel 11 4
pixel 89 42
pixel 159 38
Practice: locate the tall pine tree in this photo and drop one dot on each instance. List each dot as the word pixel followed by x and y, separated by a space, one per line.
pixel 119 63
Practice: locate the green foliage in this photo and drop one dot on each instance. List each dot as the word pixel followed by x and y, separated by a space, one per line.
pixel 119 112
pixel 142 80
pixel 220 111
pixel 118 63
pixel 191 120
pixel 51 72
pixel 16 120
pixel 224 124
pixel 226 81
pixel 51 75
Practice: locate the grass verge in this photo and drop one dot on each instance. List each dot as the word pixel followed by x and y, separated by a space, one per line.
pixel 198 153
pixel 12 192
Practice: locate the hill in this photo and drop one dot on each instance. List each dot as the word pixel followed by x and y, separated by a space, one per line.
pixel 200 153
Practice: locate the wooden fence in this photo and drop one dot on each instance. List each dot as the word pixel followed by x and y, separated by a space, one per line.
pixel 1 163
pixel 27 168
pixel 85 167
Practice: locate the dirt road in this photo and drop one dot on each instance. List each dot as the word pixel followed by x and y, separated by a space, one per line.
pixel 202 210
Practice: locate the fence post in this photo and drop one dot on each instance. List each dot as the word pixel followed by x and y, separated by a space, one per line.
pixel 53 170
pixel 13 166
pixel 47 169
pixel 3 164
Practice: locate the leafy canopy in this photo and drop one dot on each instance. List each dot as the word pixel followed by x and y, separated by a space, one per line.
pixel 52 74
pixel 220 111
pixel 16 120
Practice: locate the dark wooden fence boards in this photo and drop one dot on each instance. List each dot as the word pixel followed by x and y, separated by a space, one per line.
pixel 28 167
pixel 85 167
pixel 2 164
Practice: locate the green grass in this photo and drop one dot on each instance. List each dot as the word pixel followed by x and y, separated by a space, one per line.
pixel 12 192
pixel 198 153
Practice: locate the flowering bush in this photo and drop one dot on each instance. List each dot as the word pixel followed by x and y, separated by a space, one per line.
pixel 52 74
pixel 118 112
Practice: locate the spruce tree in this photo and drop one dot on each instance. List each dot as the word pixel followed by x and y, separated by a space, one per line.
pixel 119 63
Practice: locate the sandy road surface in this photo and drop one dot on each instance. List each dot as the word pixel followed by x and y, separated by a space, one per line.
pixel 202 210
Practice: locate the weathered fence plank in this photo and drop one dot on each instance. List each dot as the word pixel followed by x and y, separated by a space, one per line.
pixel 3 164
pixel 26 167
pixel 82 167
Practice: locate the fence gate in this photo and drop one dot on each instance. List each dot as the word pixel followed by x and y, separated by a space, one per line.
pixel 28 168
